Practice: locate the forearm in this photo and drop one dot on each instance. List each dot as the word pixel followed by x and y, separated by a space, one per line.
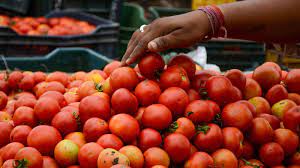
pixel 263 20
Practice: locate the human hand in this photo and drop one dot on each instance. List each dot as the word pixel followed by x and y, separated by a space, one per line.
pixel 165 33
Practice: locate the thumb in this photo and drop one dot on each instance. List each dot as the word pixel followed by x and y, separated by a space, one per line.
pixel 162 43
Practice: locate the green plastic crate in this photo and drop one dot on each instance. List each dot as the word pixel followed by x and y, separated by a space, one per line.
pixel 157 12
pixel 61 59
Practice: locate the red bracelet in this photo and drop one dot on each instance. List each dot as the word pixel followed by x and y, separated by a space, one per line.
pixel 216 20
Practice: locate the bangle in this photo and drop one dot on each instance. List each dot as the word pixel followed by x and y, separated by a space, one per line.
pixel 216 20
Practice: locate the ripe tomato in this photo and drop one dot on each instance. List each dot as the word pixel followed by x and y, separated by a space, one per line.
pixel 287 139
pixel 147 92
pixel 174 76
pixel 124 126
pixel 260 131
pixel 10 150
pixel 271 154
pixel 291 119
pixel 276 93
pixel 185 62
pixel 248 150
pixel 5 117
pixel 261 105
pixel 25 116
pixel 94 106
pixel 94 128
pixel 199 160
pixel 57 76
pixel 75 84
pixel 151 65
pixel 27 82
pixel 183 126
pixel 292 96
pixel 59 97
pixel 109 157
pixel 49 162
pixel 46 108
pixel 66 153
pixel 6 129
pixel 14 78
pixel 76 137
pixel 215 107
pixel 237 78
pixel 88 155
pixel 66 122
pixel 39 77
pixel 156 156
pixel 273 120
pixel 250 106
pixel 292 81
pixel 71 97
pixel 4 86
pixel 20 134
pixel 110 141
pixel 134 155
pixel 149 138
pixel 176 99
pixel 218 89
pixel 157 116
pixel 33 157
pixel 233 140
pixel 177 146
pixel 9 163
pixel 28 101
pixel 109 68
pixel 123 101
pixel 198 82
pixel 237 115
pixel 267 76
pixel 193 95
pixel 3 100
pixel 44 138
pixel 86 89
pixel 199 111
pixel 252 89
pixel 225 158
pixel 209 138
pixel 123 77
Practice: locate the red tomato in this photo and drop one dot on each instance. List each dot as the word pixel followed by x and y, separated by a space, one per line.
pixel 261 105
pixel 233 140
pixel 6 129
pixel 149 138
pixel 124 126
pixel 4 87
pixel 157 116
pixel 273 120
pixel 156 156
pixel 50 86
pixel 66 122
pixel 218 89
pixel 176 99
pixel 193 95
pixel 248 150
pixel 235 94
pixel 151 65
pixel 177 146
pixel 120 166
pixel 237 115
pixel 185 62
pixel 215 107
pixel 5 117
pixel 3 100
pixel 209 138
pixel 10 150
pixel 199 80
pixel 174 76
pixel 44 138
pixel 123 77
pixel 94 128
pixel 109 68
pixel 71 97
pixel 75 84
pixel 33 157
pixel 49 162
pixel 70 109
pixel 57 76
pixel 147 92
pixel 134 155
pixel 292 96
pixel 267 76
pixel 94 106
pixel 271 154
pixel 20 134
pixel 25 101
pixel 86 89
pixel 183 126
pixel 199 111
pixel 14 78
pixel 276 93
pixel 9 163
pixel 59 97
pixel 292 81
pixel 123 101
pixel 76 137
pixel 237 78
pixel 250 106
pixel 261 131
pixel 88 155
pixel 291 119
pixel 295 158
pixel 199 160
pixel 287 139
pixel 27 82
pixel 252 89
pixel 66 153
pixel 39 77
pixel 224 158
pixel 46 108
pixel 110 141
pixel 25 116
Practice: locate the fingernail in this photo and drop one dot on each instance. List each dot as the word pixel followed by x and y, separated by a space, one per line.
pixel 128 61
pixel 153 45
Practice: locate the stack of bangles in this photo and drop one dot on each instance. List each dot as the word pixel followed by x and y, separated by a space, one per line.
pixel 216 20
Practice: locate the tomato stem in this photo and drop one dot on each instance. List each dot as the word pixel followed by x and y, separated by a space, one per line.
pixel 173 127
pixel 202 128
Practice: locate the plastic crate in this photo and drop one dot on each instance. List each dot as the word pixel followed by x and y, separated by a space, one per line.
pixel 41 7
pixel 15 6
pixel 104 39
pixel 61 59
pixel 157 12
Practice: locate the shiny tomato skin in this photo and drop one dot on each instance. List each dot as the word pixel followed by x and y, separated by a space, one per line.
pixel 225 158
pixel 147 92
pixel 94 128
pixel 109 68
pixel 110 141
pixel 193 95
pixel 237 78
pixel 49 162
pixel 177 146
pixel 45 109
pixel 291 119
pixel 65 122
pixel 14 78
pixel 209 138
pixel 57 76
pixel 199 111
pixel 25 116
pixel 3 100
pixel 151 65
pixel 28 102
pixel 183 126
pixel 292 81
pixel 149 138
pixel 261 131
pixel 271 154
pixel 273 120
pixel 157 116
pixel 199 160
pixel 174 76
pixel 59 97
pixel 233 140
pixel 33 156
pixel 276 93
pixel 123 101
pixel 198 82
pixel 20 134
pixel 123 77
pixel 287 139
pixel 185 62
pixel 88 155
pixel 248 150
pixel 156 156
pixel 10 150
pixel 6 129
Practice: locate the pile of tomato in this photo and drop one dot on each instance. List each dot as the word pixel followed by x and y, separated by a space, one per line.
pixel 156 115
pixel 47 27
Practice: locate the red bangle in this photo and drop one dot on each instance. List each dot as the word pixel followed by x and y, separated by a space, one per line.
pixel 216 20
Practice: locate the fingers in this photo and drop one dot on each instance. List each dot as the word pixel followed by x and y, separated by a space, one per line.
pixel 130 47
pixel 163 43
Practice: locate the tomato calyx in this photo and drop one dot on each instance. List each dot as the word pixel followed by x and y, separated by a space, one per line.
pixel 157 74
pixel 202 128
pixel 21 163
pixel 203 93
pixel 218 120
pixel 190 113
pixel 98 87
pixel 115 161
pixel 173 127
pixel 247 163
pixel 77 118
